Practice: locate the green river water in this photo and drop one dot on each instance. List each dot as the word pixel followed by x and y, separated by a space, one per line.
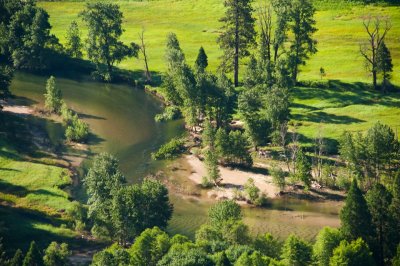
pixel 121 119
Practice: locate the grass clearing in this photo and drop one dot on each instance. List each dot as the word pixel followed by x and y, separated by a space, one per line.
pixel 346 105
pixel 196 24
pixel 32 199
pixel 338 108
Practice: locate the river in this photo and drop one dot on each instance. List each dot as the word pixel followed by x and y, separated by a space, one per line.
pixel 121 119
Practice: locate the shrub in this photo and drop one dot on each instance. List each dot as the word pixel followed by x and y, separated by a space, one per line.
pixel 170 113
pixel 77 130
pixel 252 190
pixel 278 177
pixel 169 150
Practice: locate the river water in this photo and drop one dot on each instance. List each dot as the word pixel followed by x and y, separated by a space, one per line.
pixel 121 119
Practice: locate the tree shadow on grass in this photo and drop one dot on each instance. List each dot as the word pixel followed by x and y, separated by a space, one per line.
pixel 322 117
pixel 343 94
pixel 23 226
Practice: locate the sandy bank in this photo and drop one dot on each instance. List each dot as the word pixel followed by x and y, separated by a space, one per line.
pixel 231 179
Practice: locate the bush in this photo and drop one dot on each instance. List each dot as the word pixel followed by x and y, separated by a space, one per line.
pixel 77 130
pixel 205 182
pixel 278 177
pixel 169 150
pixel 252 190
pixel 170 113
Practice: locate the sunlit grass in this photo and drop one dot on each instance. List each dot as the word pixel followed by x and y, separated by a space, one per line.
pixel 196 23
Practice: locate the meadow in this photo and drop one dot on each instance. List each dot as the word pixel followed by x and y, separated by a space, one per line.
pixel 340 31
pixel 33 198
pixel 345 103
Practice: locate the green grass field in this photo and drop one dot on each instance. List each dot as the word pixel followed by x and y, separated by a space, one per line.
pixel 340 31
pixel 345 105
pixel 32 199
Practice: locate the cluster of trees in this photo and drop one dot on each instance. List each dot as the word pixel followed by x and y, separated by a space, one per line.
pixel 373 217
pixel 119 211
pixel 54 255
pixel 369 235
pixel 373 156
pixel 76 129
pixel 26 42
pixel 197 93
pixel 287 44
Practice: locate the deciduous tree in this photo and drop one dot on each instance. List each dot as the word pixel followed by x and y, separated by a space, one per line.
pixel 104 22
pixel 74 44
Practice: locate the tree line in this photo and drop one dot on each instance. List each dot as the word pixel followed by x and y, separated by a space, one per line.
pixel 368 235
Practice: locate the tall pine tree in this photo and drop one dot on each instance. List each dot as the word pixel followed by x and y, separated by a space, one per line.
pixel 33 257
pixel 378 200
pixel 355 217
pixel 384 65
pixel 238 34
pixel 303 27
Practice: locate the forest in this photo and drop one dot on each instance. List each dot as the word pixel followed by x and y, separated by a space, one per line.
pixel 169 142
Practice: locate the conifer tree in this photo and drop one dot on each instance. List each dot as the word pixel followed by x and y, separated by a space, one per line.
pixel 33 257
pixel 3 258
pixel 202 59
pixel 355 216
pixel 303 27
pixel 17 260
pixel 384 65
pixel 395 208
pixel 378 200
pixel 238 34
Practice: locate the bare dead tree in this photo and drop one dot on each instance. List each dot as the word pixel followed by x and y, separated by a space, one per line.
pixel 319 152
pixel 142 48
pixel 376 28
pixel 291 150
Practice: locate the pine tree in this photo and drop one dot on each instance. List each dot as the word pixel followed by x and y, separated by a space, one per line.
pixel 384 64
pixel 395 208
pixel 33 257
pixel 202 61
pixel 378 200
pixel 303 27
pixel 355 217
pixel 3 258
pixel 18 259
pixel 53 96
pixel 238 34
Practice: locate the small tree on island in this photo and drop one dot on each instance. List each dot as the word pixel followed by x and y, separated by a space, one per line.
pixel 53 96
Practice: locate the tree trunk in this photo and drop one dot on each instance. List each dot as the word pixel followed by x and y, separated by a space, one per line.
pixel 374 78
pixel 236 63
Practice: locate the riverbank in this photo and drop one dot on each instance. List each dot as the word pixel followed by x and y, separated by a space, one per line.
pixel 36 180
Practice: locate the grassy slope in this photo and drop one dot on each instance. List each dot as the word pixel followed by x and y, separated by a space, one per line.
pixel 339 33
pixel 31 196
